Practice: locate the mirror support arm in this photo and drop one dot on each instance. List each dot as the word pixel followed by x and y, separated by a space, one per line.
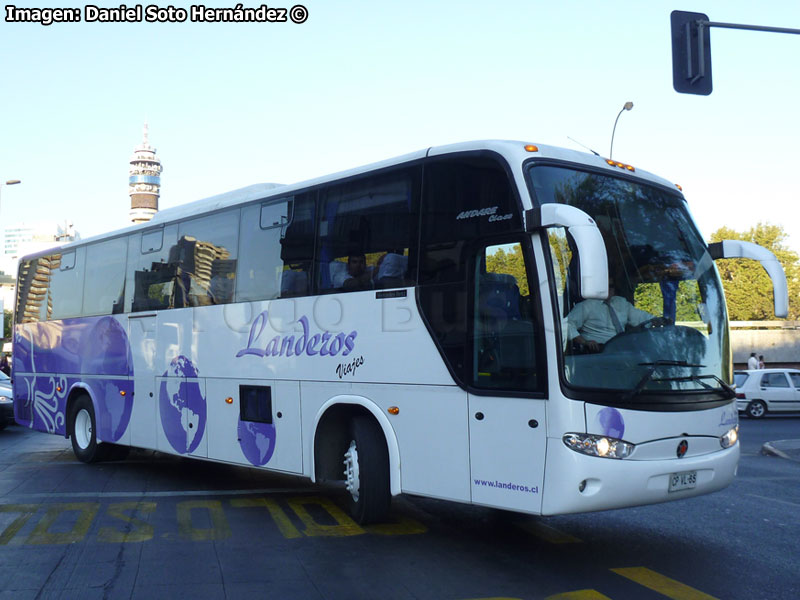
pixel 741 249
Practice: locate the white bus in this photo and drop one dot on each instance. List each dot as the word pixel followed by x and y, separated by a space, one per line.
pixel 408 327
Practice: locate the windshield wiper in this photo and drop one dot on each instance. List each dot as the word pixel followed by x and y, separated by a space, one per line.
pixel 648 376
pixel 669 363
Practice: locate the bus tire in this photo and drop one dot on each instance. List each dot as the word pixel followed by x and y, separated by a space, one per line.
pixel 83 429
pixel 366 472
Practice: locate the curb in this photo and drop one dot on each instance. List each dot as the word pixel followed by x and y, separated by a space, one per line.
pixel 770 449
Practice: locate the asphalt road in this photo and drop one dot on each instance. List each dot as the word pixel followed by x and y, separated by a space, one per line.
pixel 157 526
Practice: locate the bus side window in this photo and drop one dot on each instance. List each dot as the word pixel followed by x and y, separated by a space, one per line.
pixel 65 297
pixel 367 233
pixel 32 289
pixel 205 256
pixel 276 248
pixel 103 290
pixel 464 199
pixel 507 344
pixel 151 279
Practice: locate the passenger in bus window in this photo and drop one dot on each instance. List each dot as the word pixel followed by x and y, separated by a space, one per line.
pixel 358 276
pixel 593 322
pixel 391 270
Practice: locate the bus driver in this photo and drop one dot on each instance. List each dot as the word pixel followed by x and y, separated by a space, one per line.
pixel 592 322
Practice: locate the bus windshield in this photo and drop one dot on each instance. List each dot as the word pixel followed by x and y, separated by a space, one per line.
pixel 663 330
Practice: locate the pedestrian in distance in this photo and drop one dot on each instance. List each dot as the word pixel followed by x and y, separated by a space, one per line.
pixel 761 363
pixel 752 362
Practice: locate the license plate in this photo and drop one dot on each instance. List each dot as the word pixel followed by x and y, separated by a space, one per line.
pixel 682 481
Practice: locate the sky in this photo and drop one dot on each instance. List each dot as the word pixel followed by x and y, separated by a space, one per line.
pixel 233 104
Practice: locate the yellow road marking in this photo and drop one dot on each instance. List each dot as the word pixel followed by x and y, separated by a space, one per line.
pixel 344 524
pixel 402 526
pixel 25 512
pixel 219 529
pixel 579 595
pixel 136 530
pixel 285 526
pixel 662 584
pixel 83 512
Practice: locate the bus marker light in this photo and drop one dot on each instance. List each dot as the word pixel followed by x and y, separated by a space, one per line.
pixel 393 410
pixel 122 392
pixel 531 148
pixel 58 389
pixel 228 400
pixel 614 163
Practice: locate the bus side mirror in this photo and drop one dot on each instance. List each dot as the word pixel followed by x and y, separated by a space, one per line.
pixel 592 258
pixel 740 249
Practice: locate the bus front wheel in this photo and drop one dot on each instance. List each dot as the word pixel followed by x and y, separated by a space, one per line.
pixel 366 472
pixel 83 428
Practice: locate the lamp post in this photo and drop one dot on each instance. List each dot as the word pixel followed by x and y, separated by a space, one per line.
pixel 2 308
pixel 2 183
pixel 626 106
pixel 9 182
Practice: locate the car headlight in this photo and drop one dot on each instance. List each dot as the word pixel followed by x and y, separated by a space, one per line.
pixel 730 438
pixel 6 399
pixel 598 445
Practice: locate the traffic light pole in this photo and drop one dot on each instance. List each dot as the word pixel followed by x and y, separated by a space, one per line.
pixel 691 49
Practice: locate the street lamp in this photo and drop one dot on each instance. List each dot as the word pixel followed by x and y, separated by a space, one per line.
pixel 9 182
pixel 626 106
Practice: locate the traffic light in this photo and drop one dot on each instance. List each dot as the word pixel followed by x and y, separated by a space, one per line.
pixel 691 53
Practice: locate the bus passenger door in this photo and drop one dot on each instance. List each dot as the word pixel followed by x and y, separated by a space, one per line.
pixel 506 370
pixel 507 440
pixel 142 337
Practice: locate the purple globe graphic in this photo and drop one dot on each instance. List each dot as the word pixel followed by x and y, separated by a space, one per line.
pixel 105 350
pixel 612 422
pixel 182 406
pixel 257 441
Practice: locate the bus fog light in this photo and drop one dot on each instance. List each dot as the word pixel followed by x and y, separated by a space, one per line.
pixel 598 445
pixel 730 438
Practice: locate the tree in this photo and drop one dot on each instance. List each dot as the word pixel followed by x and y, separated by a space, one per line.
pixel 511 263
pixel 748 288
pixel 7 324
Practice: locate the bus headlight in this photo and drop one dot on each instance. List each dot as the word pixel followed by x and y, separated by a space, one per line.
pixel 598 445
pixel 730 438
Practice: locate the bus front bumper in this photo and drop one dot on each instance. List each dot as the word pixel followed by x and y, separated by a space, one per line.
pixel 577 483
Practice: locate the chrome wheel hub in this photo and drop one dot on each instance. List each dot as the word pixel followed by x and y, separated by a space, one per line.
pixel 83 428
pixel 351 479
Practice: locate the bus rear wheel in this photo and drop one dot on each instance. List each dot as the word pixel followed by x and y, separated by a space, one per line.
pixel 83 428
pixel 366 472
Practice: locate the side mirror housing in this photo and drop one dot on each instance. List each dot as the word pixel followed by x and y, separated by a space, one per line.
pixel 740 249
pixel 592 257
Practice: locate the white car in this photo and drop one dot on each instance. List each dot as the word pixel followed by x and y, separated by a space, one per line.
pixel 767 390
pixel 6 401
